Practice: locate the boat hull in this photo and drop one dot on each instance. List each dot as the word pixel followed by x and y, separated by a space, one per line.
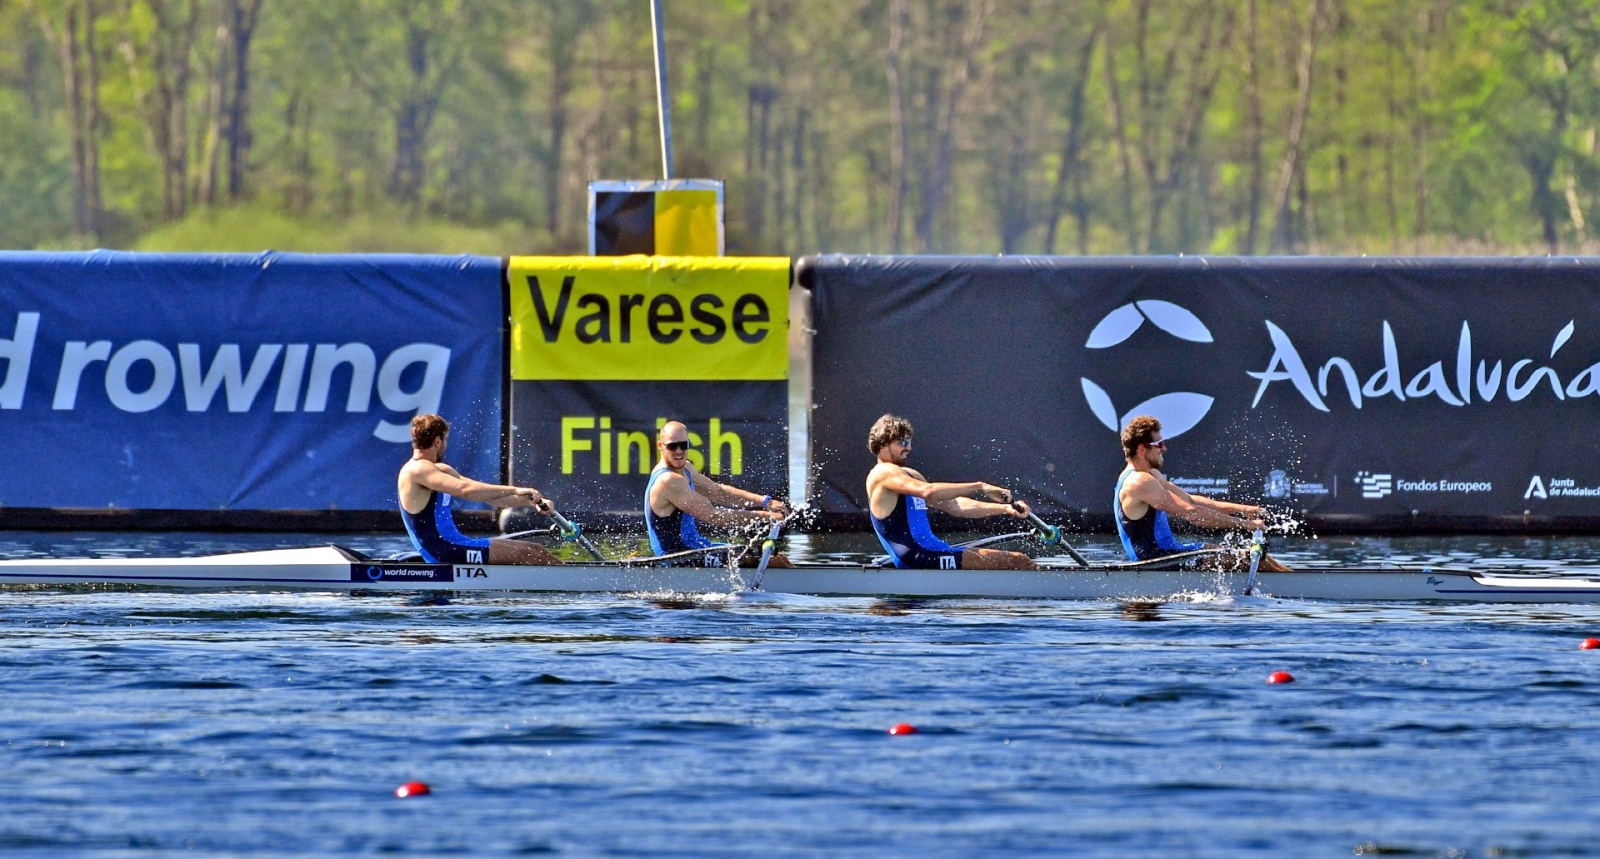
pixel 332 568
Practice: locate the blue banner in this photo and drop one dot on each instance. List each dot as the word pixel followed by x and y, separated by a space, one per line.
pixel 241 381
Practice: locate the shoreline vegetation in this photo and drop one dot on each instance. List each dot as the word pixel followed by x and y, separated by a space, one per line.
pixel 1237 127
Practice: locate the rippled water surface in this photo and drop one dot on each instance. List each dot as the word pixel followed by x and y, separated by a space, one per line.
pixel 145 723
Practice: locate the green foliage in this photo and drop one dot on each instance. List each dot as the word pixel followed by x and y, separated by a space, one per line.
pixel 35 180
pixel 257 227
pixel 972 126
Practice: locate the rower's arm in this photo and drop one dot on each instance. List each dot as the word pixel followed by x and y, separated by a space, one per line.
pixel 1174 501
pixel 676 489
pixel 938 494
pixel 733 496
pixel 1245 510
pixel 971 508
pixel 443 478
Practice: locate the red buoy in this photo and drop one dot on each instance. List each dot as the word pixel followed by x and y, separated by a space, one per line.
pixel 412 788
pixel 1590 644
pixel 903 728
pixel 1280 677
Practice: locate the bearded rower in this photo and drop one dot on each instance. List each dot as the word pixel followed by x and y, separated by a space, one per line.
pixel 426 486
pixel 898 498
pixel 1144 497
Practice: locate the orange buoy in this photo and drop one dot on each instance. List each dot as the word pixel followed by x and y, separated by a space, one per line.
pixel 412 788
pixel 1590 644
pixel 1280 677
pixel 903 728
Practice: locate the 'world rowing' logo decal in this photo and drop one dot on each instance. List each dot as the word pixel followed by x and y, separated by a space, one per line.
pixel 1178 411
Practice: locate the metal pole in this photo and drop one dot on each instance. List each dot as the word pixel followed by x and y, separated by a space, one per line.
pixel 663 109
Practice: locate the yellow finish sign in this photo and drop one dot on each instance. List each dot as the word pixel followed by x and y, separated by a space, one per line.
pixel 649 318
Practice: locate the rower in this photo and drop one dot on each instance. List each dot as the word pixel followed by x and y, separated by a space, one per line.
pixel 426 487
pixel 678 496
pixel 898 498
pixel 1144 497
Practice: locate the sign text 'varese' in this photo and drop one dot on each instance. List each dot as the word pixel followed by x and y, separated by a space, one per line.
pixel 648 318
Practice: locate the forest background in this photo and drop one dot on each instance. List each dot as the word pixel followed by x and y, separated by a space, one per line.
pixel 883 126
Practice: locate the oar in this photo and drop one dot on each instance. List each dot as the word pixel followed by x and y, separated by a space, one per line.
pixel 563 529
pixel 769 545
pixel 1257 549
pixel 571 531
pixel 554 530
pixel 994 538
pixel 1052 536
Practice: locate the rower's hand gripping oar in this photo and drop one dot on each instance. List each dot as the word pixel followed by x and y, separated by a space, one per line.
pixel 1051 535
pixel 1258 548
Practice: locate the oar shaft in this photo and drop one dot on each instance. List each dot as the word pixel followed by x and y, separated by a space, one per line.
pixel 768 546
pixel 528 533
pixel 1257 549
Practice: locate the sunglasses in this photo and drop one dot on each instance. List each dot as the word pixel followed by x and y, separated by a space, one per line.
pixel 676 446
pixel 1158 445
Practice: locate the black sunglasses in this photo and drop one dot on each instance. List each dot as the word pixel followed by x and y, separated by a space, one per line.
pixel 676 446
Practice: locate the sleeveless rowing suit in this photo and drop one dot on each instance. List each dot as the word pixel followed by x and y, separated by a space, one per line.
pixel 907 537
pixel 434 533
pixel 677 532
pixel 1148 537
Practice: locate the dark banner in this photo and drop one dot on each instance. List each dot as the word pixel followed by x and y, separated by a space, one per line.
pixel 1378 391
pixel 217 382
pixel 591 445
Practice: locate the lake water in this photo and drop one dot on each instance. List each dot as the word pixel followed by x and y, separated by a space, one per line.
pixel 148 723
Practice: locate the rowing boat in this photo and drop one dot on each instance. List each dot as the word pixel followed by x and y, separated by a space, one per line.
pixel 337 568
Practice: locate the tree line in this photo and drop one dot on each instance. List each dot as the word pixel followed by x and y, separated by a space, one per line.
pixel 885 126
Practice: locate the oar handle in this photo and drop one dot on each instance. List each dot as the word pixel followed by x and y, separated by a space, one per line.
pixel 1051 535
pixel 573 531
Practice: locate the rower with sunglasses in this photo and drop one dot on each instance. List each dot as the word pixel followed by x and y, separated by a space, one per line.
pixel 898 498
pixel 1144 497
pixel 678 496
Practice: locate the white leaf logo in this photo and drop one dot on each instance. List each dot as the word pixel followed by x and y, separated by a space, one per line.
pixel 1118 326
pixel 1175 320
pixel 1178 411
pixel 1561 339
pixel 1100 404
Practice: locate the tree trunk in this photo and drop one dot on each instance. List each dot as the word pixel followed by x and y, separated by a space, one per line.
pixel 561 58
pixel 206 178
pixel 1284 237
pixel 245 14
pixel 1124 156
pixel 410 131
pixel 1252 89
pixel 1070 174
pixel 81 82
pixel 944 104
pixel 899 181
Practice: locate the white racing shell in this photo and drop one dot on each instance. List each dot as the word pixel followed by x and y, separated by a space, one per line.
pixel 336 568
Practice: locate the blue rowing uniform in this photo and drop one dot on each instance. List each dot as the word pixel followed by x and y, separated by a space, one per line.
pixel 909 540
pixel 434 533
pixel 1148 537
pixel 677 532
